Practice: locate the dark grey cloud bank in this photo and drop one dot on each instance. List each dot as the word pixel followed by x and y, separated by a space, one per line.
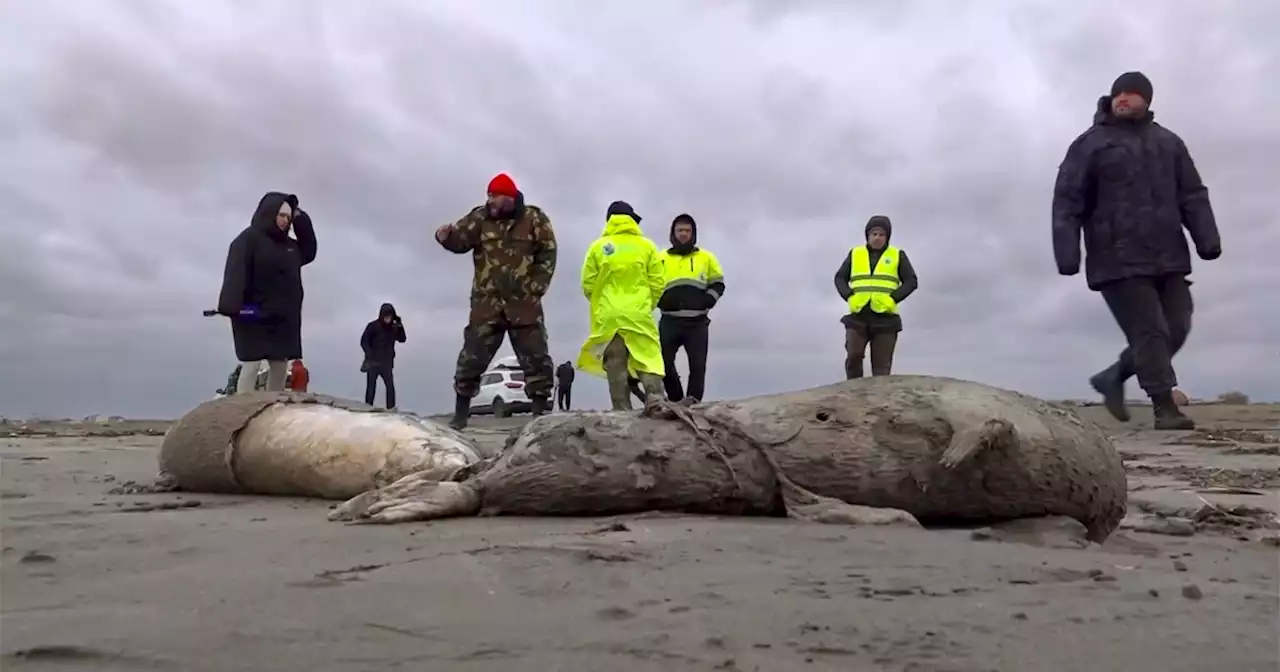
pixel 138 136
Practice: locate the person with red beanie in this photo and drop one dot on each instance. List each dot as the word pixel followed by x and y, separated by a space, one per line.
pixel 513 252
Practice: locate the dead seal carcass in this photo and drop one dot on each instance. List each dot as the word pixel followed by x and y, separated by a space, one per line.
pixel 308 445
pixel 939 449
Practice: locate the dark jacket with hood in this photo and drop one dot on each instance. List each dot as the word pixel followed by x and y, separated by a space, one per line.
pixel 906 277
pixel 1130 186
pixel 514 256
pixel 688 296
pixel 379 339
pixel 565 374
pixel 264 269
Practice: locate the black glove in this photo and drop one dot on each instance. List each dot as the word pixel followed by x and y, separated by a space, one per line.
pixel 1211 253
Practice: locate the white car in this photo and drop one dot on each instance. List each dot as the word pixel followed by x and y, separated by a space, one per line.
pixel 502 393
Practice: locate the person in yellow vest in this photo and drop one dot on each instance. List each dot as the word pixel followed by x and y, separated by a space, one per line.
pixel 622 278
pixel 695 282
pixel 873 280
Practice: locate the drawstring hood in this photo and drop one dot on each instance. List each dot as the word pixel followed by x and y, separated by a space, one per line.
pixel 621 219
pixel 272 204
pixel 387 309
pixel 879 222
pixel 679 248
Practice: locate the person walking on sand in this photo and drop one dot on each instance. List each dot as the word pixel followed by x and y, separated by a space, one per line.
pixel 873 279
pixel 564 385
pixel 1129 186
pixel 379 345
pixel 622 278
pixel 694 284
pixel 262 288
pixel 513 251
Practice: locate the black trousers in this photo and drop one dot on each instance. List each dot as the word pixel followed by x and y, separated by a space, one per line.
pixel 371 384
pixel 1155 315
pixel 564 397
pixel 689 333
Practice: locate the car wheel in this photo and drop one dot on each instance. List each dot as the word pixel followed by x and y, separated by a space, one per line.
pixel 500 408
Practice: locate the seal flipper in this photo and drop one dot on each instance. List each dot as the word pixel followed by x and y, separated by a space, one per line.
pixel 415 497
pixel 799 502
pixel 805 505
pixel 967 443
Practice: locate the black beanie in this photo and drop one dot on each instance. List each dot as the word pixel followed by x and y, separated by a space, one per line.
pixel 1133 82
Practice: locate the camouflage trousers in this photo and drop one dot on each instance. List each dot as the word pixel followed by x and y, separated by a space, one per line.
pixel 480 342
pixel 615 369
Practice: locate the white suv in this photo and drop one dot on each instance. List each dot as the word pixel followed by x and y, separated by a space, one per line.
pixel 502 393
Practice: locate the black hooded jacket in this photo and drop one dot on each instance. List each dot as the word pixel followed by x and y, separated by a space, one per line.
pixel 1130 187
pixel 906 277
pixel 690 295
pixel 565 374
pixel 379 338
pixel 264 269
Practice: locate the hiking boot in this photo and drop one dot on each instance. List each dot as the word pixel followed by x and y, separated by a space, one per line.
pixel 1168 416
pixel 539 406
pixel 461 411
pixel 1110 385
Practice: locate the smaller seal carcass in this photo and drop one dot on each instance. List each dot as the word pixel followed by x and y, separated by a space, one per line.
pixel 307 445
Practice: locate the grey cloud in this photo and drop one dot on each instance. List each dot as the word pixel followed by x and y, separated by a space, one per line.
pixel 143 133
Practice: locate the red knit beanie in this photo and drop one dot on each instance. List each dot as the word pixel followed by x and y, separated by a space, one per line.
pixel 503 185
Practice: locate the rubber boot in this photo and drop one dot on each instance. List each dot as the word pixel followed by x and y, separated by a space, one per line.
pixel 1167 414
pixel 539 406
pixel 461 412
pixel 1110 385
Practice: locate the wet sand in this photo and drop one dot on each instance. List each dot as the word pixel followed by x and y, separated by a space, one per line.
pixel 90 580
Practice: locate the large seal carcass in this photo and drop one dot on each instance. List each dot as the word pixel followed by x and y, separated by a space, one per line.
pixel 872 450
pixel 307 445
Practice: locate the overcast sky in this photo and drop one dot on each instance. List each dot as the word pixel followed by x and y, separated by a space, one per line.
pixel 136 137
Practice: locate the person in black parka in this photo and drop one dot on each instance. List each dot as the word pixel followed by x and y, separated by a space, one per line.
pixel 1129 187
pixel 262 286
pixel 379 345
pixel 564 385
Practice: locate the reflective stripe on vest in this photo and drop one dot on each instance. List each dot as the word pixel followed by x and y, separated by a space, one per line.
pixel 687 270
pixel 873 287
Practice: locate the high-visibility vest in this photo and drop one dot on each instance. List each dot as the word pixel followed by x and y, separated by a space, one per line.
pixel 691 274
pixel 873 286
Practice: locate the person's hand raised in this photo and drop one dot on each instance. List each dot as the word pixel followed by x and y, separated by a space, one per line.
pixel 442 233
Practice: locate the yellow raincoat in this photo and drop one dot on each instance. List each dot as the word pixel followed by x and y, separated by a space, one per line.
pixel 623 278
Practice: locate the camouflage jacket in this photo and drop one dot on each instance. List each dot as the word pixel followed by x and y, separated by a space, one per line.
pixel 514 262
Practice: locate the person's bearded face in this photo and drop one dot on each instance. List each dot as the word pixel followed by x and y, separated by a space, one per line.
pixel 1128 105
pixel 500 204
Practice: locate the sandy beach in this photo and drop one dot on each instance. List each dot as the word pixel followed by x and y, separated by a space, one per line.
pixel 185 582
